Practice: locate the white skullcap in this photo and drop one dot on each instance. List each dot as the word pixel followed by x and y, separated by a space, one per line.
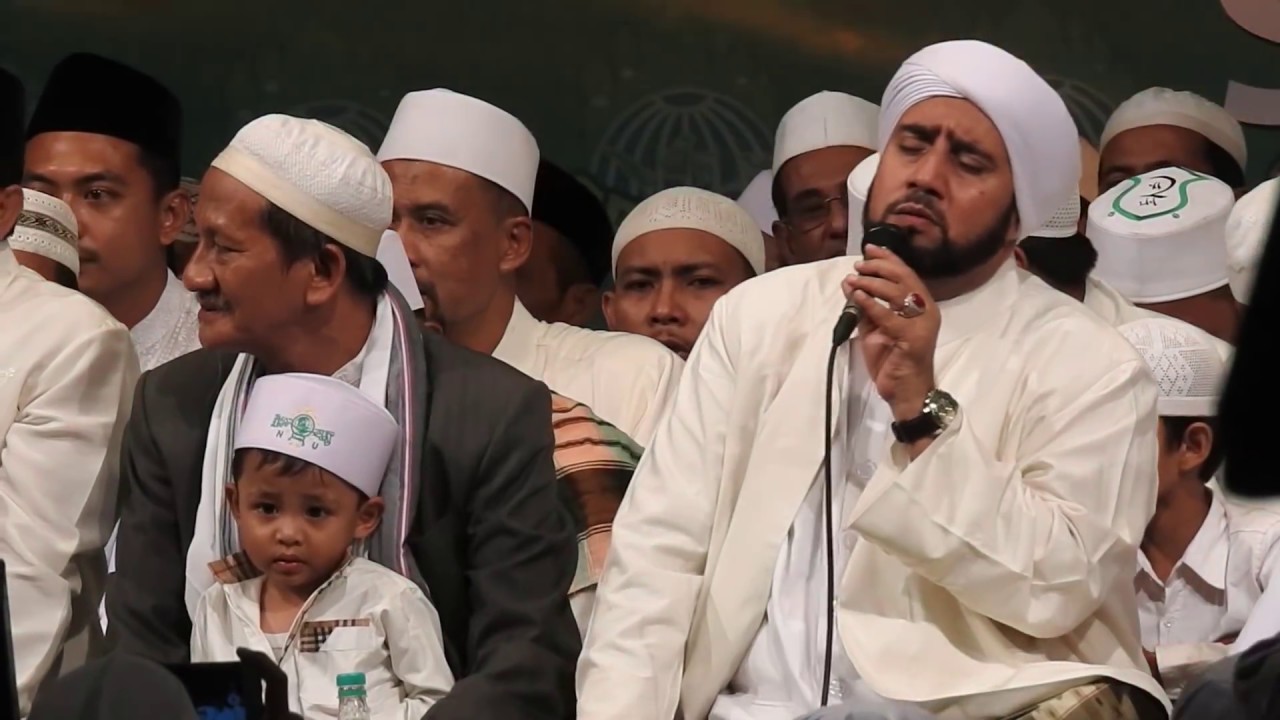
pixel 47 227
pixel 393 257
pixel 757 200
pixel 1065 222
pixel 1248 228
pixel 691 208
pixel 189 232
pixel 452 129
pixel 1160 235
pixel 316 173
pixel 1185 363
pixel 323 421
pixel 1162 106
pixel 1038 132
pixel 859 186
pixel 828 119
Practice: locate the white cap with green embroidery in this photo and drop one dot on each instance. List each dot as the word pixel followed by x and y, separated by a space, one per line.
pixel 1161 236
pixel 323 421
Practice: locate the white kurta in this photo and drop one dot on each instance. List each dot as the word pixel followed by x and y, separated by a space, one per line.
pixel 991 572
pixel 366 618
pixel 1212 590
pixel 67 372
pixel 627 380
pixel 171 329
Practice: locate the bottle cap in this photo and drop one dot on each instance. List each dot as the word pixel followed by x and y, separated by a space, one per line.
pixel 350 685
pixel 351 679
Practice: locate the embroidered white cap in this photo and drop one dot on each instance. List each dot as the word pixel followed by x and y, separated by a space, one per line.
pixel 1185 363
pixel 323 421
pixel 691 208
pixel 459 131
pixel 399 272
pixel 1248 228
pixel 315 172
pixel 1187 110
pixel 757 200
pixel 47 227
pixel 859 187
pixel 1065 221
pixel 827 119
pixel 1160 235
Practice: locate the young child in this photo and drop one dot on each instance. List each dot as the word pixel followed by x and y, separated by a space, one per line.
pixel 311 452
pixel 1205 559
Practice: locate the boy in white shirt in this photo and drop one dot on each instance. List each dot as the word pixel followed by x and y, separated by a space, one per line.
pixel 311 452
pixel 1205 559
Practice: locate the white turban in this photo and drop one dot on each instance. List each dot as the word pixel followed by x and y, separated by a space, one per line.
pixel 459 131
pixel 690 208
pixel 1064 223
pixel 47 227
pixel 757 200
pixel 1162 106
pixel 399 272
pixel 859 185
pixel 1248 228
pixel 828 119
pixel 316 173
pixel 1037 129
pixel 1160 235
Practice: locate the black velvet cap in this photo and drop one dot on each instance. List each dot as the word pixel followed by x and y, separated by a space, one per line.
pixel 13 114
pixel 569 207
pixel 92 94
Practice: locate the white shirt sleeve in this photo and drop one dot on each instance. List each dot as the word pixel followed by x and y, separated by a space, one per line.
pixel 633 655
pixel 58 484
pixel 1037 541
pixel 416 645
pixel 1264 619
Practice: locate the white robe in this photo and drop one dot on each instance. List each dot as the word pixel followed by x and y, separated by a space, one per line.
pixel 67 372
pixel 627 380
pixel 991 572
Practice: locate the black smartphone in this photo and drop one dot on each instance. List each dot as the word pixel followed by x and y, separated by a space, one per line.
pixel 221 691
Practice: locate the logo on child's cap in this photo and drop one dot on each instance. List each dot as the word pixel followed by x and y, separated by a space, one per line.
pixel 1156 194
pixel 301 428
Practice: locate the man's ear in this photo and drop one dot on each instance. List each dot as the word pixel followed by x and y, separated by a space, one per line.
pixel 232 500
pixel 782 237
pixel 606 306
pixel 1020 257
pixel 368 517
pixel 1197 443
pixel 327 273
pixel 518 234
pixel 175 210
pixel 10 208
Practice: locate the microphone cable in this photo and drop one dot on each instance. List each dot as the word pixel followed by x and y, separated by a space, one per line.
pixel 839 336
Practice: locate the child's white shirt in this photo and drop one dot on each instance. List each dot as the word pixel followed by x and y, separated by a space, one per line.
pixel 365 618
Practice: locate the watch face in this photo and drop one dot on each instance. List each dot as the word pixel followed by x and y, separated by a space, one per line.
pixel 942 407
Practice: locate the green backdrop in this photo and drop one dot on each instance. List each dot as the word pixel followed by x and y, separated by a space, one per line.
pixel 633 96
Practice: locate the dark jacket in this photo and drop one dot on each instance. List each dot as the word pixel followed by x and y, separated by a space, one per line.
pixel 492 542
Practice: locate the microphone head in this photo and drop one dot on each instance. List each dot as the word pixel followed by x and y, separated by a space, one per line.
pixel 886 235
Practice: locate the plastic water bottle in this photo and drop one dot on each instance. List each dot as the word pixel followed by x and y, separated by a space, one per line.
pixel 352 704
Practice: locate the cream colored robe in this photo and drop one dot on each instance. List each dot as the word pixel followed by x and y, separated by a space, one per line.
pixel 994 570
pixel 67 372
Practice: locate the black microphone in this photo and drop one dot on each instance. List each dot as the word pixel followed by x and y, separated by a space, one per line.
pixel 892 237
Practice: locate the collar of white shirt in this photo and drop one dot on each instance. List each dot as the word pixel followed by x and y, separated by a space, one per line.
pixel 1206 556
pixel 518 347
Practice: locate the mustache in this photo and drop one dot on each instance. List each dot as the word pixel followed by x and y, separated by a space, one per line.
pixel 212 301
pixel 924 200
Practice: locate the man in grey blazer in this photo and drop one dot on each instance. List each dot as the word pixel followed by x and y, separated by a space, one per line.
pixel 285 271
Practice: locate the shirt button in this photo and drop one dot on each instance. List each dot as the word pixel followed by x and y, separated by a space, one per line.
pixel 1168 623
pixel 865 470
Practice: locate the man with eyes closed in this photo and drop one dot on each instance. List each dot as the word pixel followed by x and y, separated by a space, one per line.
pixel 675 254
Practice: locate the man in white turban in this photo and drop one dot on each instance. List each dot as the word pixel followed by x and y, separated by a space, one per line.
pixel 1160 128
pixel 46 237
pixel 757 200
pixel 958 535
pixel 674 255
pixel 819 141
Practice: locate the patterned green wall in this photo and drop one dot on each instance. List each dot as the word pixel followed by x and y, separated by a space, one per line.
pixel 632 95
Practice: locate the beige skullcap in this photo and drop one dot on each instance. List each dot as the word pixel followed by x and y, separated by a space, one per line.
pixel 690 208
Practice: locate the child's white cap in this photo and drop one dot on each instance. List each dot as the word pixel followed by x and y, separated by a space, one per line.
pixel 1185 363
pixel 323 421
